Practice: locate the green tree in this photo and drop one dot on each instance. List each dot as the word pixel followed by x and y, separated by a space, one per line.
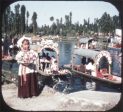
pixel 17 19
pixel 96 25
pixel 34 22
pixel 5 22
pixel 116 22
pixel 51 18
pixel 11 22
pixel 70 18
pixel 58 26
pixel 105 23
pixel 8 19
pixel 23 10
pixel 61 21
pixel 27 15
pixel 85 25
pixel 67 20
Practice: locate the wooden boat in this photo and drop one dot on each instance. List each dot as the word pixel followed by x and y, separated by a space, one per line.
pixel 86 43
pixel 99 43
pixel 102 73
pixel 48 69
pixel 48 66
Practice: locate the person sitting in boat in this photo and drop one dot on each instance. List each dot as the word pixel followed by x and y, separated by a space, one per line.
pixel 103 73
pixel 94 44
pixel 82 66
pixel 54 65
pixel 43 54
pixel 43 63
pixel 90 67
pixel 48 58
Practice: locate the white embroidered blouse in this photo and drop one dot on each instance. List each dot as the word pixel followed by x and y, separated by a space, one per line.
pixel 28 58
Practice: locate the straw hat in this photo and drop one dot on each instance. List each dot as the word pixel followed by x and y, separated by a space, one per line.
pixel 19 42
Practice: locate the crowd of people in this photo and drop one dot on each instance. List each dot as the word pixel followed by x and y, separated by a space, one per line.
pixel 9 45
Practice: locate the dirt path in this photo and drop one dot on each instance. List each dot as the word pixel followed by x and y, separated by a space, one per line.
pixel 50 100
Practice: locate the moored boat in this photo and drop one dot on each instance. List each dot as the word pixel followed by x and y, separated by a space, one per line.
pixel 87 43
pixel 48 61
pixel 48 65
pixel 99 69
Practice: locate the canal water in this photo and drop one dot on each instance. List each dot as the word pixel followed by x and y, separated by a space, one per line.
pixel 65 53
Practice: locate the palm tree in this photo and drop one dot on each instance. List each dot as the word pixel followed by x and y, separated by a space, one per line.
pixel 51 18
pixel 51 30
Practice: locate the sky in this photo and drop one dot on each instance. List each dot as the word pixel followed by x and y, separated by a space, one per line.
pixel 80 10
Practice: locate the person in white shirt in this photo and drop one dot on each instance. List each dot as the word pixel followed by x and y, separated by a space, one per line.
pixel 90 67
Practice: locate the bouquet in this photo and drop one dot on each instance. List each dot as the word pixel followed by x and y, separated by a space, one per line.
pixel 28 57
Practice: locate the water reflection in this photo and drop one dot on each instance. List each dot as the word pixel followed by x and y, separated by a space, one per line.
pixel 66 49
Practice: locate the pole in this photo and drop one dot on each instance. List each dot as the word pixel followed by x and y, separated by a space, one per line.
pixel 110 69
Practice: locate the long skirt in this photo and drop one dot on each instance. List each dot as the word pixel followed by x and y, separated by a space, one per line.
pixel 29 87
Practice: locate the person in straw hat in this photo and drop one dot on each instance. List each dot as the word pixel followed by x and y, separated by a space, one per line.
pixel 27 74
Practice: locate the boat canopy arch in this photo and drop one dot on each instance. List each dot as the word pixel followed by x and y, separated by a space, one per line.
pixel 95 55
pixel 44 63
pixel 49 45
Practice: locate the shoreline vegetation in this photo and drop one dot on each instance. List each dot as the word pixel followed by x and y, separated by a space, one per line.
pixel 105 25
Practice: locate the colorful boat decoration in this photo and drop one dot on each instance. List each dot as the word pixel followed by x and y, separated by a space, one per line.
pixel 48 61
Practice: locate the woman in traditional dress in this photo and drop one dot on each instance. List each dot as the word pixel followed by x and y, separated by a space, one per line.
pixel 27 79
